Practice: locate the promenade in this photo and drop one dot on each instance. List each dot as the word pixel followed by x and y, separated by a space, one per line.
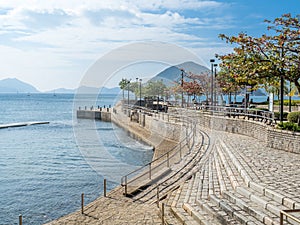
pixel 235 180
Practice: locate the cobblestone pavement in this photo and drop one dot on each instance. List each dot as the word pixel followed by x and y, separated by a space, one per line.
pixel 113 209
pixel 275 168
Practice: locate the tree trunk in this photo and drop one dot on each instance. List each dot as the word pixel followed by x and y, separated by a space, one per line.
pixel 297 84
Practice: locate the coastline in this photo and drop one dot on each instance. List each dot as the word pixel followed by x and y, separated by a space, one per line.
pixel 116 202
pixel 146 135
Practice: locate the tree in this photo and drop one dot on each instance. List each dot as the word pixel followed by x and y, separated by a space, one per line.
pixel 123 84
pixel 204 81
pixel 267 58
pixel 154 88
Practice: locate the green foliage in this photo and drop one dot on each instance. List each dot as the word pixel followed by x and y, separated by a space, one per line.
pixel 277 115
pixel 289 126
pixel 261 109
pixel 286 102
pixel 154 88
pixel 124 83
pixel 265 59
pixel 293 117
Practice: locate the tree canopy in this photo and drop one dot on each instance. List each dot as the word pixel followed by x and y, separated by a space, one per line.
pixel 264 60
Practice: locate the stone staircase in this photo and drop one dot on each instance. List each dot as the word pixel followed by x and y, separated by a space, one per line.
pixel 225 189
pixel 180 172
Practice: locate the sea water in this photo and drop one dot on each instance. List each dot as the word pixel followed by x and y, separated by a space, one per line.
pixel 42 169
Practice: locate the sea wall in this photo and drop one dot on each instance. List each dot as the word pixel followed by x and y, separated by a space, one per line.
pixel 274 138
pixel 153 129
pixel 95 114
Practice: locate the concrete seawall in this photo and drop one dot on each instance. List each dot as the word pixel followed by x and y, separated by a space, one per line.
pixel 95 114
pixel 159 133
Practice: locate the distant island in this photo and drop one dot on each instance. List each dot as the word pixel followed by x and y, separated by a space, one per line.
pixel 13 86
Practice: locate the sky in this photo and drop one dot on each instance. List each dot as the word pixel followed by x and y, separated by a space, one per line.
pixel 52 43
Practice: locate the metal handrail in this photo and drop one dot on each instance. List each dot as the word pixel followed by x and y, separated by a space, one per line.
pixel 286 213
pixel 158 159
pixel 147 168
pixel 239 111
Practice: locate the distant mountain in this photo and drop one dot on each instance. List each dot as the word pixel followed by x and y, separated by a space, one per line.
pixel 173 74
pixel 101 90
pixel 115 90
pixel 13 85
pixel 87 90
pixel 62 91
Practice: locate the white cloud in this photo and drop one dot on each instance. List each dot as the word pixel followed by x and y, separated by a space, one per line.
pixel 62 36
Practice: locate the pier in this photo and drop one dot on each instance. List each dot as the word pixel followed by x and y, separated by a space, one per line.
pixel 99 113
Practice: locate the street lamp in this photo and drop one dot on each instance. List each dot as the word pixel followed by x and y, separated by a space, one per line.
pixel 137 80
pixel 128 82
pixel 215 91
pixel 212 81
pixel 182 70
pixel 140 92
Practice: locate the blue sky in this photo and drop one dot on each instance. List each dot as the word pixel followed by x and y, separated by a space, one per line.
pixel 51 44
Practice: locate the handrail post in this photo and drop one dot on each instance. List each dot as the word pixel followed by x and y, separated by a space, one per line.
pixel 163 213
pixel 20 219
pixel 150 170
pixel 281 218
pixel 82 203
pixel 125 185
pixel 104 187
pixel 157 195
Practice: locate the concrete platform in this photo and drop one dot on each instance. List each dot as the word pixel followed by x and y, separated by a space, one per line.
pixel 23 124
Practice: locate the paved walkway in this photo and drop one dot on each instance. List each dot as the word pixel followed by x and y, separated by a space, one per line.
pixel 114 209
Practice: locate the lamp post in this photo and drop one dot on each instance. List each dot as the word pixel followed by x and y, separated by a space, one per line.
pixel 182 87
pixel 128 82
pixel 212 81
pixel 290 98
pixel 215 91
pixel 281 86
pixel 140 92
pixel 135 86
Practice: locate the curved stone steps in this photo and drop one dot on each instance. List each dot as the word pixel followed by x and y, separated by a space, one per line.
pixel 176 207
pixel 179 173
pixel 240 162
pixel 234 211
pixel 257 207
pixel 254 198
pixel 231 171
pixel 260 188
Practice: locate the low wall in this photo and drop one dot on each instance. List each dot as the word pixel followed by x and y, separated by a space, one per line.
pixel 274 138
pixel 94 114
pixel 156 124
pixel 154 130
